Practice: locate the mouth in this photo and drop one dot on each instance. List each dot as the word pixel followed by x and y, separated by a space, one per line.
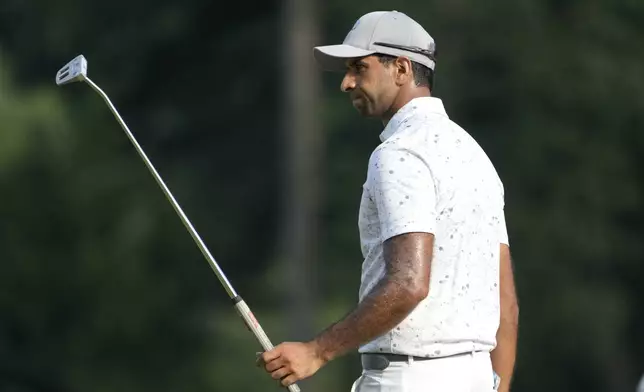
pixel 358 101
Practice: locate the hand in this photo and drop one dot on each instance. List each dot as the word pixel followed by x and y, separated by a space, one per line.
pixel 292 361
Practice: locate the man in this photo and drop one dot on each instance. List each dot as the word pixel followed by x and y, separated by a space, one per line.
pixel 437 309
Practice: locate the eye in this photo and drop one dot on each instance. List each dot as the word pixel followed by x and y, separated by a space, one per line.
pixel 356 68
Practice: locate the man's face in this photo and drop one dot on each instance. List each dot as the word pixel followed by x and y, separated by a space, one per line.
pixel 370 85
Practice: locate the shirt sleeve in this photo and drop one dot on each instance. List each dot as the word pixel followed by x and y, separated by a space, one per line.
pixel 402 188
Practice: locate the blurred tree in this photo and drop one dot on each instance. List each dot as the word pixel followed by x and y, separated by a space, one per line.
pixel 303 144
pixel 87 293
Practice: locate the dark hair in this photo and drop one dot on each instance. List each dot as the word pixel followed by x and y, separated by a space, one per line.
pixel 423 76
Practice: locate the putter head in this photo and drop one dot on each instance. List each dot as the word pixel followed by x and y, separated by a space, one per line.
pixel 74 71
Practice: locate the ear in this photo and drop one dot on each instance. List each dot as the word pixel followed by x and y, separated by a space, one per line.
pixel 404 72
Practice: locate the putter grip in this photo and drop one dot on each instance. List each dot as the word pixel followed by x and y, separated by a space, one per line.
pixel 257 330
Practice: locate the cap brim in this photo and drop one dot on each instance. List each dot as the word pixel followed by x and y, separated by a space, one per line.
pixel 334 57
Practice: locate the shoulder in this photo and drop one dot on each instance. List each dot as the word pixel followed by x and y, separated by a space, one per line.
pixel 397 163
pixel 398 152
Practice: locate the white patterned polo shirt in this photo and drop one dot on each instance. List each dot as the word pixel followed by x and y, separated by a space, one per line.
pixel 429 175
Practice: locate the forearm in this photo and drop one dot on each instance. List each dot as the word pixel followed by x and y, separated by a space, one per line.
pixel 504 355
pixel 386 306
pixel 404 285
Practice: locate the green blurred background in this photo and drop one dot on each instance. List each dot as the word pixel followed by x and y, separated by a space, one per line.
pixel 102 288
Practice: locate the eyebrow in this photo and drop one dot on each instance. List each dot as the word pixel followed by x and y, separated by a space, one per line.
pixel 355 62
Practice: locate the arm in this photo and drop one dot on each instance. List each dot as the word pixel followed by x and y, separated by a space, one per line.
pixel 401 189
pixel 503 356
pixel 405 284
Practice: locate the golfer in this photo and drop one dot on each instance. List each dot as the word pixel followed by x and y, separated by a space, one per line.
pixel 437 309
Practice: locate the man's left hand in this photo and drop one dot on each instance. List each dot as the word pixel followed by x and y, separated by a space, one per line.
pixel 291 362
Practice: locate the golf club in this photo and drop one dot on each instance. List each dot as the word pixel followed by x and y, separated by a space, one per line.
pixel 76 71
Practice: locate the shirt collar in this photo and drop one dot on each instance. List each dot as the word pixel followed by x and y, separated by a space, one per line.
pixel 415 106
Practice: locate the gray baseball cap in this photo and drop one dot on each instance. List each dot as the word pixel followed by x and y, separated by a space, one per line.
pixel 385 32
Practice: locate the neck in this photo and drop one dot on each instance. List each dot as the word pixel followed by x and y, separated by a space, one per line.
pixel 403 99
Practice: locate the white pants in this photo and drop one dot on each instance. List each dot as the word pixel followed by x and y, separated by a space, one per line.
pixel 464 373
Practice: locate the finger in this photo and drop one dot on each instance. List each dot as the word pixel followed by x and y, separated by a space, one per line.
pixel 291 379
pixel 281 373
pixel 275 364
pixel 272 354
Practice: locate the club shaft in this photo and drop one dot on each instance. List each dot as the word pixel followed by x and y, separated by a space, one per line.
pixel 243 309
pixel 211 260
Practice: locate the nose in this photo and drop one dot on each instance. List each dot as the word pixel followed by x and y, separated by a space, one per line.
pixel 348 82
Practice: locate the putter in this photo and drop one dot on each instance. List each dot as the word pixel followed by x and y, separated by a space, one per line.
pixel 76 71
